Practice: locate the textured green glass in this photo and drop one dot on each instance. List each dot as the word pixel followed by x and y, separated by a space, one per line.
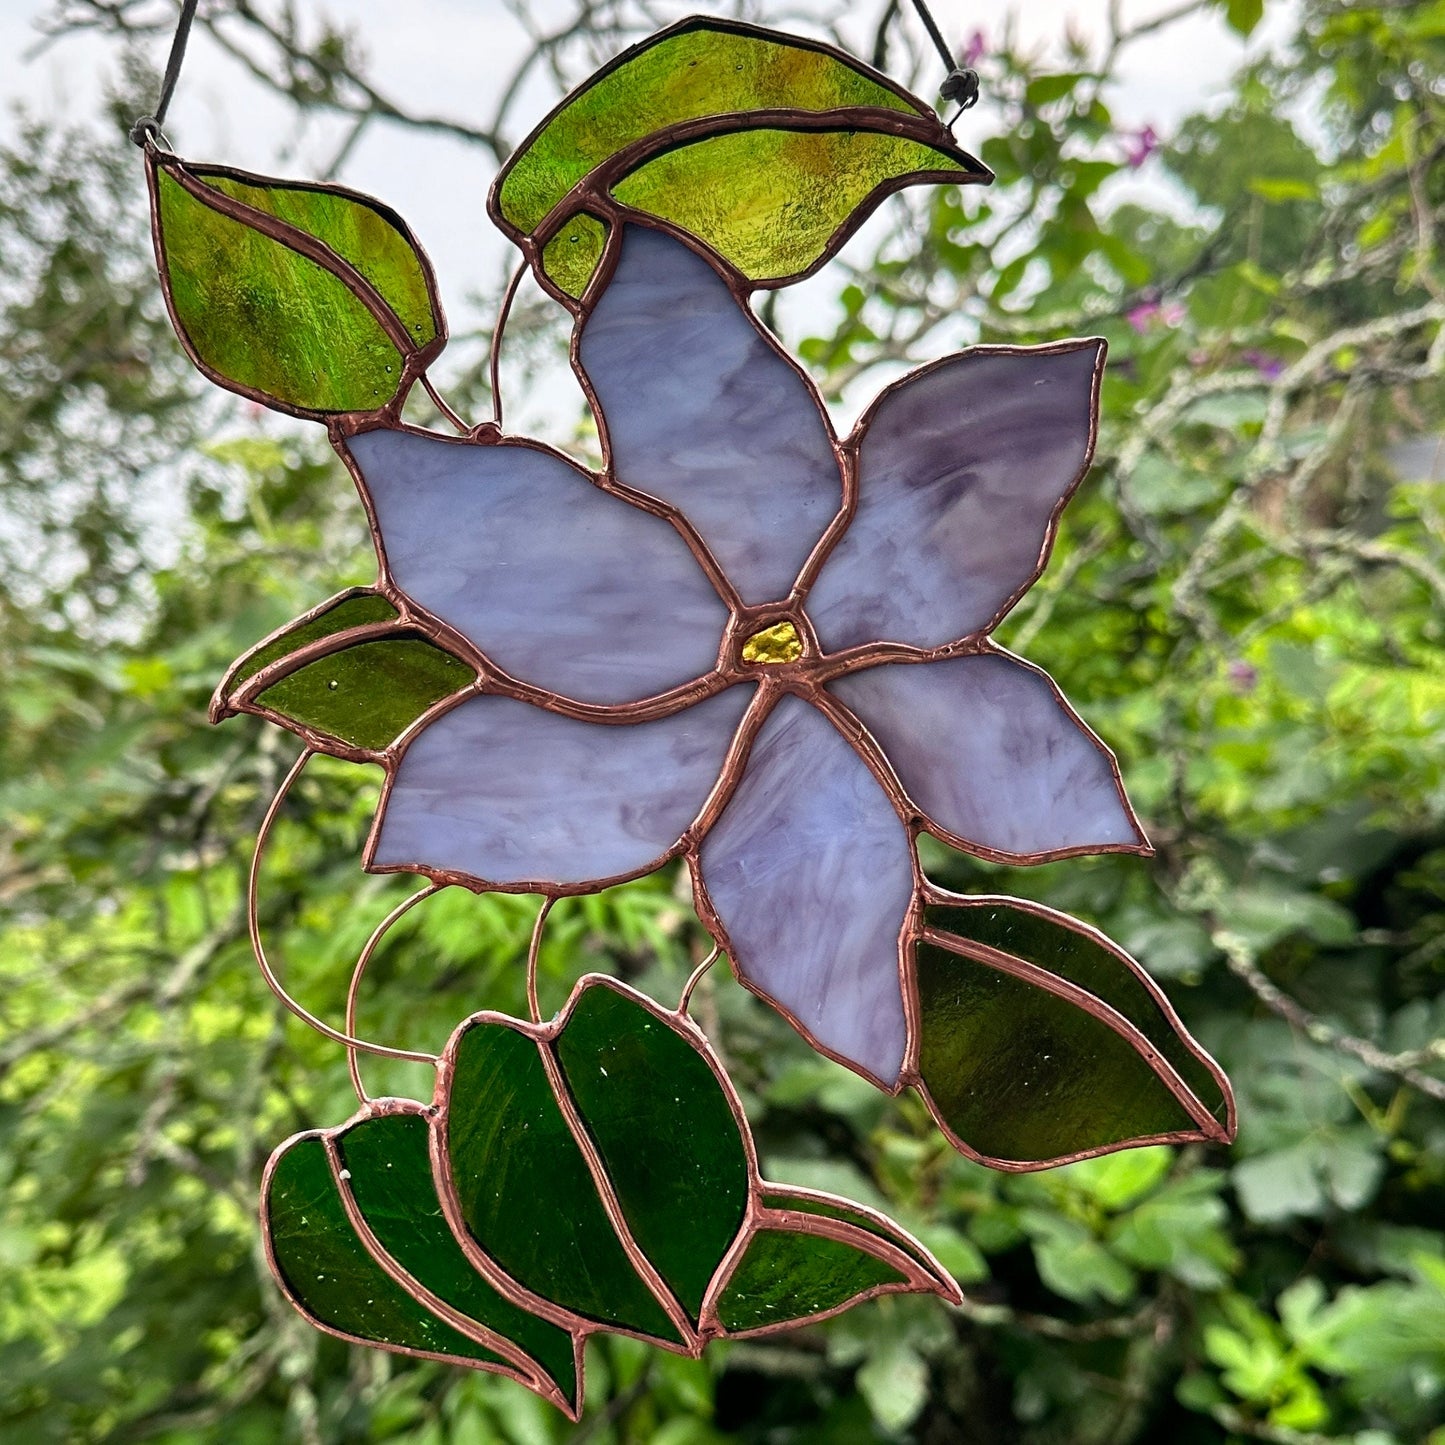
pixel 328 1269
pixel 785 1276
pixel 1019 1073
pixel 349 612
pixel 358 231
pixel 263 318
pixel 701 71
pixel 666 1134
pixel 525 1190
pixel 571 256
pixel 771 201
pixel 389 1160
pixel 1082 959
pixel 781 1199
pixel 369 694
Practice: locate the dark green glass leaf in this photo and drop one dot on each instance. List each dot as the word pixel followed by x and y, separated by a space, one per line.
pixel 1020 1074
pixel 571 256
pixel 666 1134
pixel 329 1272
pixel 364 233
pixel 697 68
pixel 524 1187
pixel 366 695
pixel 391 1179
pixel 772 202
pixel 356 608
pixel 785 1276
pixel 1082 957
pixel 777 1197
pixel 304 298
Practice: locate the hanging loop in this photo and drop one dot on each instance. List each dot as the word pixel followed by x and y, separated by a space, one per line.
pixel 961 86
pixel 147 128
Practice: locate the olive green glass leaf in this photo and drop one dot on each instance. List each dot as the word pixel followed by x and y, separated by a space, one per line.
pixel 770 149
pixel 313 299
pixel 594 1173
pixel 1040 1041
pixel 349 677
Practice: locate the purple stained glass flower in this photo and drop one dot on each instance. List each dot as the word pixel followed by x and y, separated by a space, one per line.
pixel 747 641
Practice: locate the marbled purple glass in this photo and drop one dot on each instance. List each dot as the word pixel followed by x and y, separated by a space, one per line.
pixel 796 813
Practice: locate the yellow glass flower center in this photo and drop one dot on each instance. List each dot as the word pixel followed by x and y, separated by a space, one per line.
pixel 773 645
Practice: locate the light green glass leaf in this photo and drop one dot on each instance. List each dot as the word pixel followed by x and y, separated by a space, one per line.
pixel 694 69
pixel 768 148
pixel 777 203
pixel 309 298
pixel 571 256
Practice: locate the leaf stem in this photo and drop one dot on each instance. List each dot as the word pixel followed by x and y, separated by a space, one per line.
pixel 253 923
pixel 353 1062
pixel 441 405
pixel 533 949
pixel 695 977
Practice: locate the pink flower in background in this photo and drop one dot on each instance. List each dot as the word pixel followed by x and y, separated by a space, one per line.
pixel 1140 145
pixel 1149 314
pixel 1242 677
pixel 973 52
pixel 1266 365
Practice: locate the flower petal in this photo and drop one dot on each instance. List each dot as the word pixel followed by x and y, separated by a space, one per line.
pixel 703 411
pixel 992 755
pixel 963 469
pixel 558 583
pixel 809 874
pixel 502 794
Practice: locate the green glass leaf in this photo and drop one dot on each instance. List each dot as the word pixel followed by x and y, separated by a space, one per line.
pixel 357 607
pixel 666 1133
pixel 694 69
pixel 768 148
pixel 391 1180
pixel 572 255
pixel 1081 956
pixel 524 1188
pixel 776 1197
pixel 777 203
pixel 330 1274
pixel 1019 1070
pixel 362 231
pixel 305 297
pixel 785 1276
pixel 365 695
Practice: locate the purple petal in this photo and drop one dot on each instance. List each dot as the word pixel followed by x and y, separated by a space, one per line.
pixel 991 754
pixel 703 411
pixel 809 871
pixel 962 470
pixel 507 794
pixel 558 583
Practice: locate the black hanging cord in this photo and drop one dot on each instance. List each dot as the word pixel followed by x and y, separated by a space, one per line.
pixel 961 84
pixel 147 129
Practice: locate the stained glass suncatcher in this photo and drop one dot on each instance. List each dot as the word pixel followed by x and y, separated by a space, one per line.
pixel 744 642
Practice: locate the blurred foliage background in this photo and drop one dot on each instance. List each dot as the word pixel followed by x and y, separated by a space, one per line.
pixel 1246 602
